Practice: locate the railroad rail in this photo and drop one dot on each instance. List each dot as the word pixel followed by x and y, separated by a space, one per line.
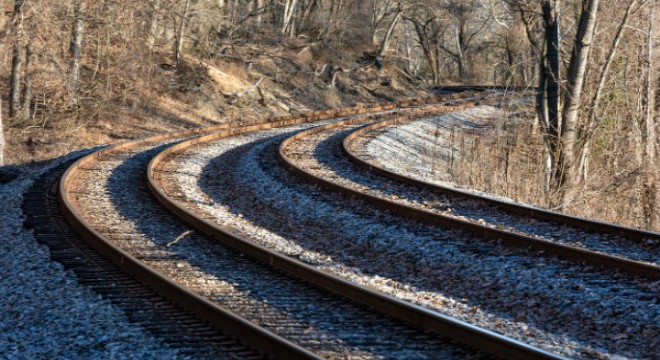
pixel 256 336
pixel 509 237
pixel 201 307
pixel 221 318
pixel 191 336
pixel 563 250
pixel 480 338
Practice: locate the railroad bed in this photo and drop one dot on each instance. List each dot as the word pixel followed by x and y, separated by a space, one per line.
pixel 293 270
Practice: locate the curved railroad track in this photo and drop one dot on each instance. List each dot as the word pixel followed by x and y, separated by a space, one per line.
pixel 316 156
pixel 610 249
pixel 101 221
pixel 172 199
pixel 630 250
pixel 202 268
pixel 179 329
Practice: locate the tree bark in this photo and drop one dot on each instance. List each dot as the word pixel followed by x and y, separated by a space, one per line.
pixel 460 55
pixel 153 24
pixel 26 104
pixel 3 39
pixel 2 138
pixel 430 48
pixel 178 47
pixel 575 82
pixel 549 100
pixel 384 44
pixel 259 8
pixel 651 192
pixel 17 59
pixel 75 50
pixel 287 17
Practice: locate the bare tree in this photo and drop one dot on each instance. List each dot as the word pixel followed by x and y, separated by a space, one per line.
pixel 429 29
pixel 516 51
pixel 152 35
pixel 26 103
pixel 563 95
pixel 464 34
pixel 2 139
pixel 258 9
pixel 390 29
pixel 649 131
pixel 381 11
pixel 181 33
pixel 4 35
pixel 75 50
pixel 287 26
pixel 17 58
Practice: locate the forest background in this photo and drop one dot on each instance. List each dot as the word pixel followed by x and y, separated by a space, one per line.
pixel 79 73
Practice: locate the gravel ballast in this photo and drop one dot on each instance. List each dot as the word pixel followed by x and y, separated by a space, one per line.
pixel 118 204
pixel 552 304
pixel 321 154
pixel 45 313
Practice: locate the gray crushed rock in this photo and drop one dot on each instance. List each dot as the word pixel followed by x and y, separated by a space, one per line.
pixel 45 312
pixel 521 299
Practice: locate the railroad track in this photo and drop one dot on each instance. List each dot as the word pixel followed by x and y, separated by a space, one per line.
pixel 202 268
pixel 177 328
pixel 316 156
pixel 83 194
pixel 630 250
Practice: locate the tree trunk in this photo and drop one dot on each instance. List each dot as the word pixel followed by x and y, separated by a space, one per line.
pixel 651 192
pixel 409 60
pixel 2 138
pixel 27 82
pixel 549 101
pixel 259 8
pixel 16 60
pixel 515 43
pixel 575 82
pixel 178 47
pixel 390 30
pixel 595 101
pixel 3 39
pixel 153 24
pixel 76 47
pixel 287 16
pixel 429 48
pixel 460 58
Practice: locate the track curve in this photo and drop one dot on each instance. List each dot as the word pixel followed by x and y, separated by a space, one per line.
pixel 480 338
pixel 631 266
pixel 221 318
pixel 422 317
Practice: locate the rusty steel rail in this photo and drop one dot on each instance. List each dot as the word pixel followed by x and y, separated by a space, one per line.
pixel 219 317
pixel 633 267
pixel 482 339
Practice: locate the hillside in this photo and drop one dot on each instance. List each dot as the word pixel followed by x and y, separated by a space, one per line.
pixel 288 81
pixel 78 74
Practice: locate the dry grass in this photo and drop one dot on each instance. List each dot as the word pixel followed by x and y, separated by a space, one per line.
pixel 510 161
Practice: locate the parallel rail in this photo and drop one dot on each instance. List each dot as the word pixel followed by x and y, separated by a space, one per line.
pixel 565 251
pixel 219 317
pixel 482 339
